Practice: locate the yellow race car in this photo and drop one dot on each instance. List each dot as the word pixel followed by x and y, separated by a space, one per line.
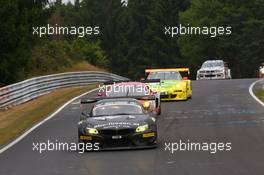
pixel 172 85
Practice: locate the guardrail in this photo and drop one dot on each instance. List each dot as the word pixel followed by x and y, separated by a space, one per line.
pixel 26 90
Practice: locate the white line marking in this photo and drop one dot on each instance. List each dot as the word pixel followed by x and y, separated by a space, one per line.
pixel 42 122
pixel 76 103
pixel 252 93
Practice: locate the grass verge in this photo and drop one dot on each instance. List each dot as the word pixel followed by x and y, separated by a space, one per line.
pixel 16 120
pixel 260 94
pixel 78 66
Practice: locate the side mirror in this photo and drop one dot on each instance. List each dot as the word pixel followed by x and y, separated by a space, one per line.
pixel 185 78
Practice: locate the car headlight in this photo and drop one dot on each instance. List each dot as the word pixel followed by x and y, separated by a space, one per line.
pixel 91 131
pixel 142 128
pixel 146 104
pixel 219 71
pixel 262 71
pixel 178 85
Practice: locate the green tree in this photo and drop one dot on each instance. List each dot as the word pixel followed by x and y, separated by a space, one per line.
pixel 141 41
pixel 243 49
pixel 16 39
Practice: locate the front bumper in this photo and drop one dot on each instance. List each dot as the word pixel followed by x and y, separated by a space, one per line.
pixel 211 76
pixel 143 140
pixel 128 147
pixel 172 96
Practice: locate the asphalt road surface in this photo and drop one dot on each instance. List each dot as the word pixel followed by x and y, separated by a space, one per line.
pixel 220 111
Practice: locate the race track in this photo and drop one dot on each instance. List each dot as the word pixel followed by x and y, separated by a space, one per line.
pixel 220 111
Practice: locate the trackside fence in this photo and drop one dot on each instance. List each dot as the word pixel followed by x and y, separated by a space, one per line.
pixel 27 90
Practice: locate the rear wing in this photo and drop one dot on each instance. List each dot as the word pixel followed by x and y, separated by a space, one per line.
pixel 112 82
pixel 141 81
pixel 168 70
pixel 96 99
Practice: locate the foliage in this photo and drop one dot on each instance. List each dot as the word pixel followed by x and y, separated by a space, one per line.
pixel 243 49
pixel 131 37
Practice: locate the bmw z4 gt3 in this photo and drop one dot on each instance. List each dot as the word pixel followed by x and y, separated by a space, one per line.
pixel 118 124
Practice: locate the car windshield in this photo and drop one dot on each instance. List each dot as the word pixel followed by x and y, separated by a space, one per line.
pixel 127 90
pixel 165 75
pixel 213 64
pixel 117 109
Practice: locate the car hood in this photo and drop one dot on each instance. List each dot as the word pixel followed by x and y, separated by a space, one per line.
pixel 165 85
pixel 117 121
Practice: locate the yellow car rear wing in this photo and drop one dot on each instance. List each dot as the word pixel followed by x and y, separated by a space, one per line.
pixel 168 70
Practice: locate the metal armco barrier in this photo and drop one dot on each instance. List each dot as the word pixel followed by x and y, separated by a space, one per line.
pixel 26 90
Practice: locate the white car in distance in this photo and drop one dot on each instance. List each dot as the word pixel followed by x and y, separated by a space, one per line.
pixel 214 69
pixel 261 71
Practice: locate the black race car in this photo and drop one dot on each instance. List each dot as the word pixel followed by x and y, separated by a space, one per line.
pixel 120 123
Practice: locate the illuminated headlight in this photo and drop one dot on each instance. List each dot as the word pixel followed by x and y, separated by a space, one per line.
pixel 142 128
pixel 262 71
pixel 91 131
pixel 146 104
pixel 178 85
